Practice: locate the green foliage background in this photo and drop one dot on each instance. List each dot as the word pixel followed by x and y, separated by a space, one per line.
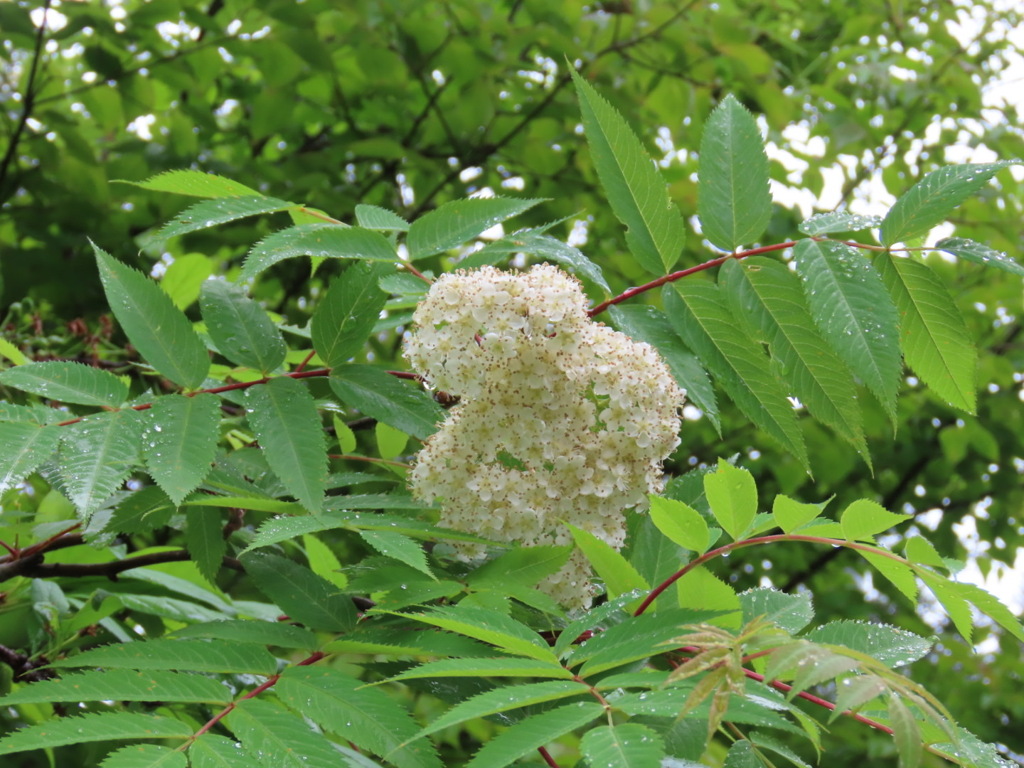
pixel 388 104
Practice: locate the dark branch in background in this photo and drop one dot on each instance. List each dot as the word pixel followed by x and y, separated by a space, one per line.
pixel 26 669
pixel 33 565
pixel 29 103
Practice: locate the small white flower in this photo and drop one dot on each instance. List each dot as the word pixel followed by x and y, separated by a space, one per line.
pixel 527 448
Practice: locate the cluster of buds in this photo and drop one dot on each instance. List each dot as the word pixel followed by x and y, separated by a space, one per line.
pixel 561 419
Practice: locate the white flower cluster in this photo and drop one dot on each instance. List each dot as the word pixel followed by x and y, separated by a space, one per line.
pixel 561 419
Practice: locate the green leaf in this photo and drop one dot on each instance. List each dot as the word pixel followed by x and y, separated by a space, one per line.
pixel 96 455
pixel 535 731
pixel 210 213
pixel 324 241
pixel 346 437
pixel 25 447
pixel 184 278
pixel 191 655
pixel 212 751
pixel 391 442
pixel 522 565
pixel 123 685
pixel 853 311
pixel 906 733
pixel 791 514
pixel 864 518
pixel 636 190
pixel 157 328
pixel 252 631
pixel 281 739
pixel 769 295
pixel 635 638
pixel 646 323
pixel 681 523
pixel 278 529
pixel 935 340
pixel 367 717
pixel 732 494
pixel 702 590
pixel 742 755
pixel 934 197
pixel 790 612
pixel 734 201
pixel 240 327
pixel 968 250
pixel 143 511
pixel 487 626
pixel 918 549
pixel 504 667
pixel 897 572
pixel 302 595
pixel 12 353
pixel 375 217
pixel 506 698
pixel 346 313
pixel 67 382
pixel 536 243
pixel 856 691
pixel 990 605
pixel 837 221
pixel 194 183
pixel 627 745
pixel 380 396
pixel 204 540
pixel 618 574
pixel 108 726
pixel 283 415
pixel 700 316
pixel 145 756
pixel 398 547
pixel 456 222
pixel 889 645
pixel 179 441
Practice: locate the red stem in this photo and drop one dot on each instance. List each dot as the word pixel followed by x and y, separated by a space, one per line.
pixel 683 273
pixel 778 537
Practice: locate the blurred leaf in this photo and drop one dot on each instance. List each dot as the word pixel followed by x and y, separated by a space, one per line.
pixel 194 183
